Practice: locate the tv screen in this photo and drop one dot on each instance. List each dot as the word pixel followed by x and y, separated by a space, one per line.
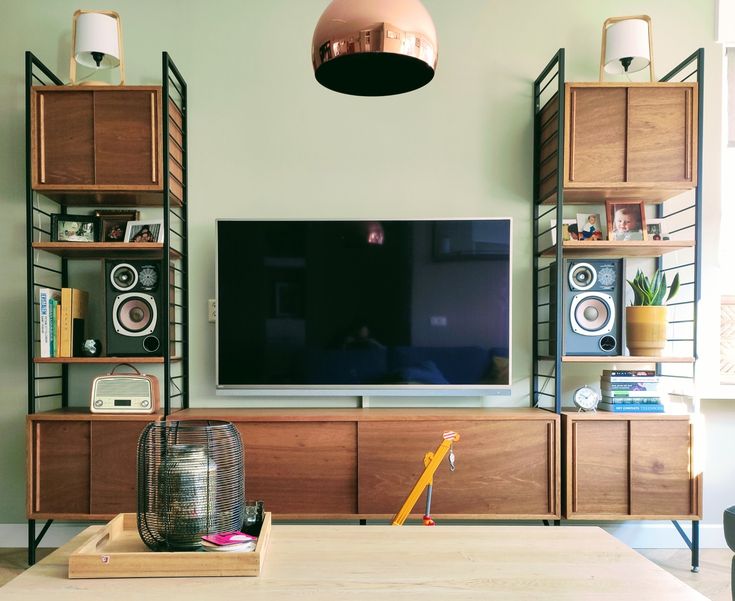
pixel 363 307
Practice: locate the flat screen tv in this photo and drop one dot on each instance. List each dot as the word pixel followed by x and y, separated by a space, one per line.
pixel 363 307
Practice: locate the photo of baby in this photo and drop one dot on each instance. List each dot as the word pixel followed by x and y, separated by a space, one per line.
pixel 589 226
pixel 626 220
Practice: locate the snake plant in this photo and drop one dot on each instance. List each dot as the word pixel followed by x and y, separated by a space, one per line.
pixel 650 292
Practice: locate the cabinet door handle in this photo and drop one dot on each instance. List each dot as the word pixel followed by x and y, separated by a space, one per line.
pixel 574 466
pixel 42 137
pixel 688 116
pixel 153 137
pixel 552 466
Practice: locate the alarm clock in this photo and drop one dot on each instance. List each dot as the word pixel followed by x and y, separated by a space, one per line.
pixel 586 398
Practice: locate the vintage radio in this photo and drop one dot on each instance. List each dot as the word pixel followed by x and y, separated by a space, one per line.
pixel 131 392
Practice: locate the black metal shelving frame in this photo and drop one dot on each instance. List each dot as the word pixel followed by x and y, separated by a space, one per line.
pixel 547 368
pixel 51 380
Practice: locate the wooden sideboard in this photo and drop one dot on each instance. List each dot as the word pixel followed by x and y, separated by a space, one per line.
pixel 361 463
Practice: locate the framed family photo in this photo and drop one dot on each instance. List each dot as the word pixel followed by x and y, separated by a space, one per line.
pixel 655 229
pixel 589 226
pixel 73 228
pixel 112 224
pixel 566 232
pixel 150 230
pixel 626 220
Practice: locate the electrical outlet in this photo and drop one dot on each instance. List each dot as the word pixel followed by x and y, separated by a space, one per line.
pixel 211 310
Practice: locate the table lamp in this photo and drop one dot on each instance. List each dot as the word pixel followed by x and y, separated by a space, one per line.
pixel 374 47
pixel 627 45
pixel 96 42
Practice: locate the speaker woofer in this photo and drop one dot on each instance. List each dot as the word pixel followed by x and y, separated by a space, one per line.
pixel 592 314
pixel 134 314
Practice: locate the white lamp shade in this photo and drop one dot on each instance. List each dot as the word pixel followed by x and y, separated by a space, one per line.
pixel 96 32
pixel 627 39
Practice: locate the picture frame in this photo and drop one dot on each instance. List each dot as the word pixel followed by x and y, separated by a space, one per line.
pixel 145 231
pixel 566 233
pixel 626 220
pixel 74 228
pixel 655 229
pixel 112 224
pixel 589 227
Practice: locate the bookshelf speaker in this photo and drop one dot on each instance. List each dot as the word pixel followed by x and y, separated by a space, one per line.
pixel 591 306
pixel 133 302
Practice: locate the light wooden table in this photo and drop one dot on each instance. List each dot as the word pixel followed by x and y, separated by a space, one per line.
pixel 325 563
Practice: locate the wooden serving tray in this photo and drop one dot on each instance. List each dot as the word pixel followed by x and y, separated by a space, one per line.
pixel 117 551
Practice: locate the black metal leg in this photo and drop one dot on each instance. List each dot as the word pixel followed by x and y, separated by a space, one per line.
pixel 31 542
pixel 695 545
pixel 546 522
pixel 363 522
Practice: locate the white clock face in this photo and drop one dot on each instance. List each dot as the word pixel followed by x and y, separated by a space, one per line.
pixel 586 398
pixel 148 277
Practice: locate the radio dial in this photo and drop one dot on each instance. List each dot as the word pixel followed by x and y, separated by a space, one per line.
pixel 146 403
pixel 98 403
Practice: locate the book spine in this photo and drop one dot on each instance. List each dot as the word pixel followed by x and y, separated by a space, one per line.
pixel 65 339
pixel 628 373
pixel 631 407
pixel 629 400
pixel 57 328
pixel 43 317
pixel 52 327
pixel 630 394
pixel 622 386
pixel 630 379
pixel 78 312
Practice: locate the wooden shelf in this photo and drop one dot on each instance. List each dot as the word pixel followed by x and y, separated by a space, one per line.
pixel 101 360
pixel 105 250
pixel 617 248
pixel 619 191
pixel 84 414
pixel 609 415
pixel 618 359
pixel 76 196
pixel 349 414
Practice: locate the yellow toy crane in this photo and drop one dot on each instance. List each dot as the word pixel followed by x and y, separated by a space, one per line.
pixel 426 480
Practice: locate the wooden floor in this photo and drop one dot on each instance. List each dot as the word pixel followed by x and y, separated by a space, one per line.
pixel 713 580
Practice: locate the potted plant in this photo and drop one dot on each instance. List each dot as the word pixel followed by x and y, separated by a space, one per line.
pixel 645 319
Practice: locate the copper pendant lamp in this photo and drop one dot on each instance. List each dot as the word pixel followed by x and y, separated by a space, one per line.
pixel 374 47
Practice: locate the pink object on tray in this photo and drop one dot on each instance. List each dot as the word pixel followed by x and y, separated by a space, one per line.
pixel 229 538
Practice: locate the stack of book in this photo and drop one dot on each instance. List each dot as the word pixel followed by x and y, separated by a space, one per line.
pixel 630 391
pixel 61 321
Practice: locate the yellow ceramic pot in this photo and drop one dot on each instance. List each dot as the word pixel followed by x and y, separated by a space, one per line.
pixel 645 330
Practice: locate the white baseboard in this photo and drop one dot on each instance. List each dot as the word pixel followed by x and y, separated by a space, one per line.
pixel 639 535
pixel 16 535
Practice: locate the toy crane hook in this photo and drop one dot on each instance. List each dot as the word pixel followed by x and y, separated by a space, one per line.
pixel 426 480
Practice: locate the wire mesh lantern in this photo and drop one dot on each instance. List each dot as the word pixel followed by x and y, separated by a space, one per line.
pixel 190 483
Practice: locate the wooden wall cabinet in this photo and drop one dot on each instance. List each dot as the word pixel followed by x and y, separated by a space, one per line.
pixel 362 463
pixel 102 140
pixel 82 466
pixel 622 140
pixel 631 467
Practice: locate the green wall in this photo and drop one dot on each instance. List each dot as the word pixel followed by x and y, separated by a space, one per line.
pixel 267 141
